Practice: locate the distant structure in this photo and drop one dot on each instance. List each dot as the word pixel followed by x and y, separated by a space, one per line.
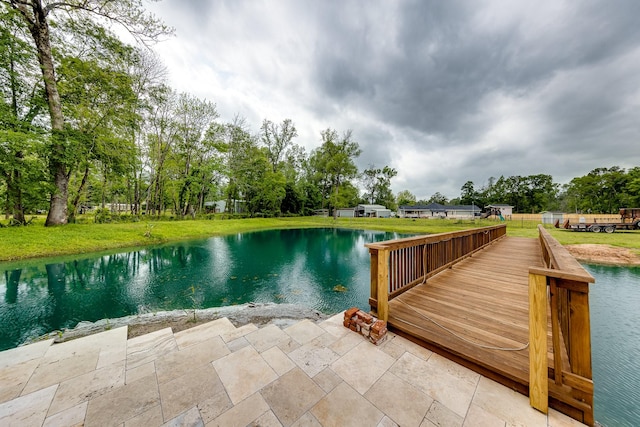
pixel 499 209
pixel 436 210
pixel 372 211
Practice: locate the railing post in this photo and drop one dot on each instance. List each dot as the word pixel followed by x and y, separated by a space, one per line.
pixel 374 273
pixel 538 376
pixel 383 284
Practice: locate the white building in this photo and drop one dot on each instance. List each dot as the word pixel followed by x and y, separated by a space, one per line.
pixel 373 211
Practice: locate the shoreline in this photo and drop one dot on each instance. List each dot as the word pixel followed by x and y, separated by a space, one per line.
pixel 604 255
pixel 281 315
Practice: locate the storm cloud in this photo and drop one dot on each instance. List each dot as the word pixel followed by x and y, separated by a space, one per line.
pixel 443 91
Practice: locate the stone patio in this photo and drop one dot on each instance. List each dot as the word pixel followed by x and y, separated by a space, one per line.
pixel 307 374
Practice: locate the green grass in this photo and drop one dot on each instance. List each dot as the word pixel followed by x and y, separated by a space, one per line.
pixel 34 241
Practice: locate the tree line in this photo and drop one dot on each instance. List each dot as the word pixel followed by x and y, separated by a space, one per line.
pixel 87 120
pixel 602 190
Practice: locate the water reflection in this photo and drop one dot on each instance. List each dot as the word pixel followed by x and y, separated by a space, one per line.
pixel 284 266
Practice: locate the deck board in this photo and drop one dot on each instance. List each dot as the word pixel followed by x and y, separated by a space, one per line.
pixel 483 298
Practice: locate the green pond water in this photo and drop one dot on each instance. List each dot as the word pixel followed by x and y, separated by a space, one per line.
pixel 614 302
pixel 283 266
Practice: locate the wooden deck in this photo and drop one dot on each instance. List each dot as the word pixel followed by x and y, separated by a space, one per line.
pixel 483 299
pixel 513 309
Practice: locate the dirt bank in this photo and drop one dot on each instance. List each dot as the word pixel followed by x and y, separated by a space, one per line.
pixel 604 254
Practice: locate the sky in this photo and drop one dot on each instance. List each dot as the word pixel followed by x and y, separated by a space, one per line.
pixel 445 92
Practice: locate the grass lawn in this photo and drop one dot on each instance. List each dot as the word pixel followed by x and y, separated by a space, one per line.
pixel 35 240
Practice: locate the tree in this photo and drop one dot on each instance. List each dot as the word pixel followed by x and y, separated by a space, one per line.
pixel 191 151
pixel 21 104
pixel 277 139
pixel 37 16
pixel 438 198
pixel 468 194
pixel 405 197
pixel 603 190
pixel 333 163
pixel 377 184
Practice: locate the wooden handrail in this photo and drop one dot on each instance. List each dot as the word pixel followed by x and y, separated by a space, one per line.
pixel 398 265
pixel 563 288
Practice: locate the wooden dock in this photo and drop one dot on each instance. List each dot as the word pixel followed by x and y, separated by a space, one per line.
pixel 468 298
pixel 484 301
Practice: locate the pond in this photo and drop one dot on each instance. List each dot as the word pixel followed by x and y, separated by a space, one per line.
pixel 324 269
pixel 614 301
pixel 305 267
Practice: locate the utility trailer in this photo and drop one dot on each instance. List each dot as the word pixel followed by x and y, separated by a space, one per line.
pixel 629 220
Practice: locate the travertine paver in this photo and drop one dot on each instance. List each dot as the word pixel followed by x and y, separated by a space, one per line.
pixel 453 391
pixel 73 416
pixel 203 332
pixel 440 415
pixel 149 347
pixel 402 402
pixel 238 332
pixel 279 361
pixel 121 404
pixel 189 418
pixel 177 363
pixel 507 404
pixel 88 386
pixel 243 413
pixel 292 395
pixel 27 410
pixel 14 378
pixel 267 337
pixel 313 358
pixel 197 386
pixel 304 331
pixel 52 371
pixel 344 407
pixel 256 373
pixel 362 366
pixel 327 380
pixel 306 375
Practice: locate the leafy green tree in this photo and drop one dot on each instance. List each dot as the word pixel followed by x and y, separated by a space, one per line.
pixel 632 188
pixel 334 165
pixel 21 106
pixel 405 197
pixel 468 195
pixel 603 190
pixel 193 152
pixel 377 183
pixel 37 16
pixel 277 139
pixel 438 198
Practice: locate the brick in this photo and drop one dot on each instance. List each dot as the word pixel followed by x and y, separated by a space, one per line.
pixel 348 314
pixel 346 323
pixel 380 341
pixel 364 317
pixel 353 327
pixel 378 326
pixel 364 332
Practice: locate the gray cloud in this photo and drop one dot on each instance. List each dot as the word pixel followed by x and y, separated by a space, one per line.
pixel 445 92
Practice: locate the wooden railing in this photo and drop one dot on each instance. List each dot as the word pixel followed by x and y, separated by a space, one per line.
pixel 563 289
pixel 398 265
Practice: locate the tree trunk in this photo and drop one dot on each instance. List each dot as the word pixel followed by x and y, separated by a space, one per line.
pixel 16 195
pixel 36 19
pixel 76 199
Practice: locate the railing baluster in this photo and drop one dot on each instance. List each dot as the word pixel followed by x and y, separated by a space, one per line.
pixel 411 261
